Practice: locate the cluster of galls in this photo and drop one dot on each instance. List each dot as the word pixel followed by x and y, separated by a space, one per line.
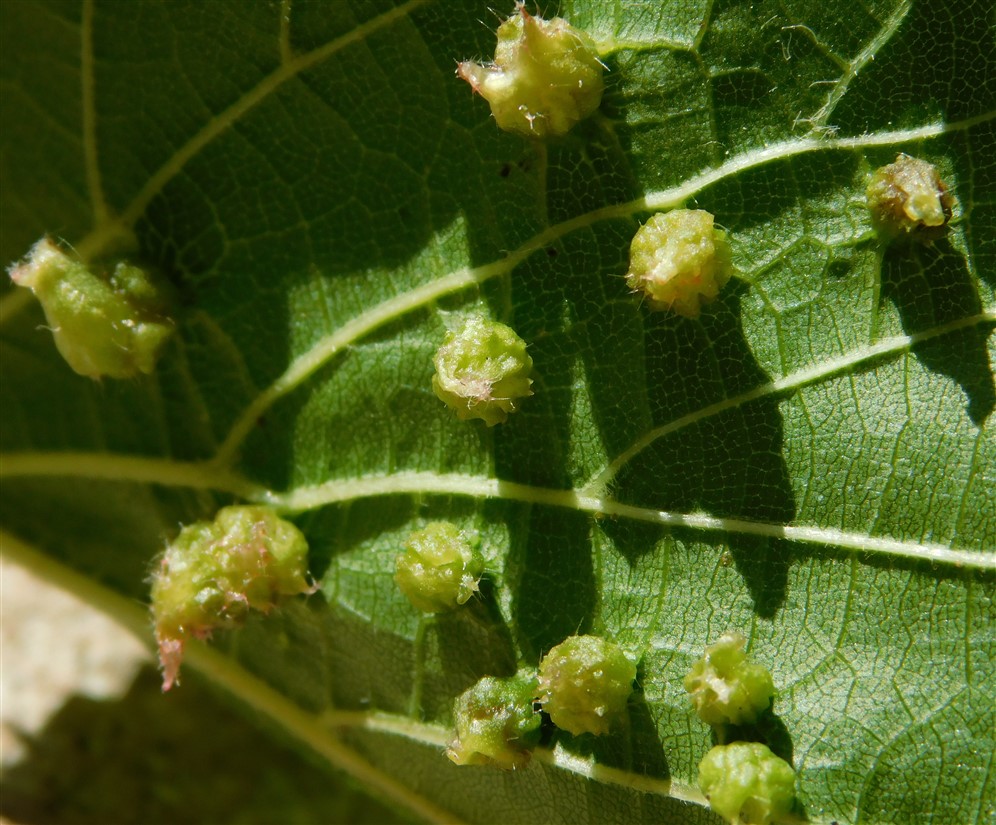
pixel 744 781
pixel 112 318
pixel 583 685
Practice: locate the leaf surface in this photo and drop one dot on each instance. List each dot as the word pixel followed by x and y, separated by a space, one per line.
pixel 812 462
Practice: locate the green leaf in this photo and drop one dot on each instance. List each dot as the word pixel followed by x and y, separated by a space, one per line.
pixel 812 462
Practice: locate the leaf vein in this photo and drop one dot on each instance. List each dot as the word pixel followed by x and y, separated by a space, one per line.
pixel 306 364
pixel 226 118
pixel 786 384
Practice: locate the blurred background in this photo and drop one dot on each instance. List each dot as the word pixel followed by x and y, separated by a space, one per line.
pixel 88 736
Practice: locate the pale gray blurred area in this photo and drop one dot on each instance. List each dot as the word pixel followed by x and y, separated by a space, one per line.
pixel 53 646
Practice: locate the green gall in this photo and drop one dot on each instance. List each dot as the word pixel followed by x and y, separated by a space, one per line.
pixel 909 198
pixel 496 723
pixel 725 687
pixel 585 683
pixel 482 371
pixel 746 783
pixel 679 260
pixel 215 572
pixel 546 76
pixel 439 569
pixel 107 321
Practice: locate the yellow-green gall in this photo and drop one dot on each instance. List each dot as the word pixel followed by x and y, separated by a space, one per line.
pixel 679 260
pixel 746 783
pixel 439 569
pixel 108 320
pixel 546 76
pixel 215 572
pixel 909 198
pixel 482 371
pixel 725 687
pixel 585 683
pixel 496 723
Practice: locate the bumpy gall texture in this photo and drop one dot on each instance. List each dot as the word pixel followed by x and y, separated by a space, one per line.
pixel 585 683
pixel 725 687
pixel 439 569
pixel 746 783
pixel 107 321
pixel 215 572
pixel 679 260
pixel 483 371
pixel 909 198
pixel 546 76
pixel 496 723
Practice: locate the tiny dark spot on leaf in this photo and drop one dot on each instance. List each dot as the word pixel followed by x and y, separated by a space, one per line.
pixel 551 252
pixel 839 269
pixel 505 170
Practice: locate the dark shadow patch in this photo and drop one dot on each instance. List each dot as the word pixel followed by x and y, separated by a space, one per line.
pixel 839 268
pixel 469 643
pixel 633 539
pixel 974 180
pixel 769 729
pixel 930 287
pixel 730 464
pixel 332 531
pixel 550 559
pixel 179 757
pixel 939 65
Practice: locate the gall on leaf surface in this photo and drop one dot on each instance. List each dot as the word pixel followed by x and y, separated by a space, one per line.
pixel 545 78
pixel 215 572
pixel 109 319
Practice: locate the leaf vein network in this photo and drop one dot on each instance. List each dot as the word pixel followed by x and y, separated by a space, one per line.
pixel 306 364
pixel 109 229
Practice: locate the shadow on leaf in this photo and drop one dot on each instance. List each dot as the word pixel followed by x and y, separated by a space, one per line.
pixel 931 286
pixel 182 757
pixel 729 465
pixel 632 745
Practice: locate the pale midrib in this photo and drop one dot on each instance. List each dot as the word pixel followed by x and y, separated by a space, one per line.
pixel 136 469
pixel 208 476
pixel 305 365
pixel 334 492
pixel 312 730
pixel 788 383
pixel 286 51
pixel 288 69
pixel 557 757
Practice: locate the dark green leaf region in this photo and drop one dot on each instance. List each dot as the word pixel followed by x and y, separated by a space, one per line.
pixel 390 311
